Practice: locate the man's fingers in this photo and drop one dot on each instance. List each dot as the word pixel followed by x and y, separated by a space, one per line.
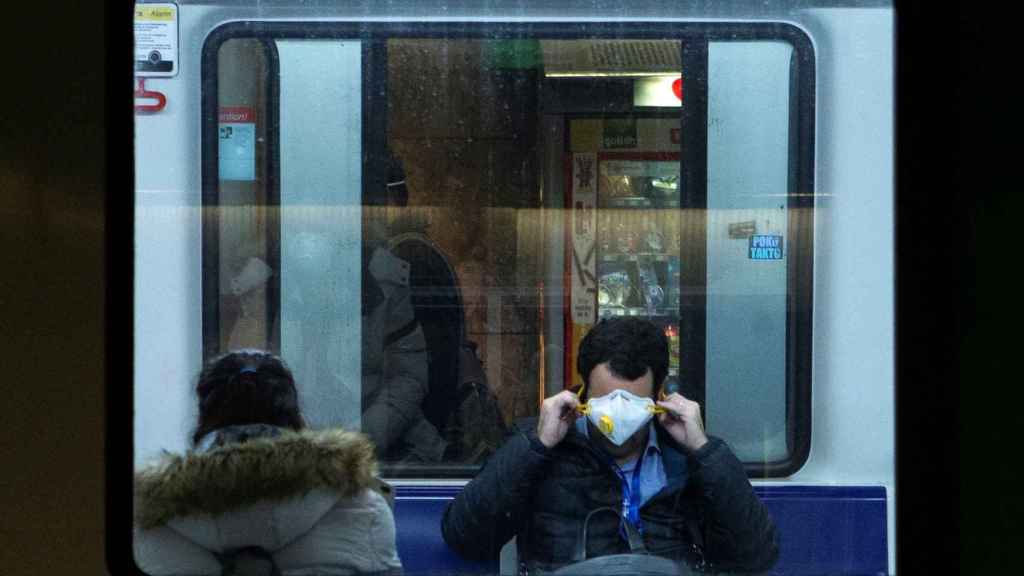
pixel 569 404
pixel 560 399
pixel 677 397
pixel 564 398
pixel 671 410
pixel 562 404
pixel 679 407
pixel 672 405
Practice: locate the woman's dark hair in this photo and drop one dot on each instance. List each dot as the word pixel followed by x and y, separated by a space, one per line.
pixel 629 345
pixel 246 387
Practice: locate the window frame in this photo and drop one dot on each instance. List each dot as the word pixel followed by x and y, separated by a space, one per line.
pixel 695 37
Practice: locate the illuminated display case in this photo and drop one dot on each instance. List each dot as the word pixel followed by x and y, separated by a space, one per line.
pixel 624 204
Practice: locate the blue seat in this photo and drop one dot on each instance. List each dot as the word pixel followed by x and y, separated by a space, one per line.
pixel 822 530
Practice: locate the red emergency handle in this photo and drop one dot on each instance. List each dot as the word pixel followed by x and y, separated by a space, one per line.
pixel 141 92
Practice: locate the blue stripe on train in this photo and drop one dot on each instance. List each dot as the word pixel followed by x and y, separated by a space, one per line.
pixel 822 530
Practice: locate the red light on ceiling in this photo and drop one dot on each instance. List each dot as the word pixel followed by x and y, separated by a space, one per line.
pixel 677 88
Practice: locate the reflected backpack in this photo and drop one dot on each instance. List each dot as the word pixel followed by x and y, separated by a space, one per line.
pixel 476 427
pixel 459 403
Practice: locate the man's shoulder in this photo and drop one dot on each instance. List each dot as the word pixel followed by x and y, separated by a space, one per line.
pixel 573 443
pixel 389 269
pixel 524 425
pixel 527 426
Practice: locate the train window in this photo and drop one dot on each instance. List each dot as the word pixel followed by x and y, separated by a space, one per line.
pixel 424 221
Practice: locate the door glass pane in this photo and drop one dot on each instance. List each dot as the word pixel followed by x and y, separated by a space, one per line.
pixel 321 225
pixel 748 187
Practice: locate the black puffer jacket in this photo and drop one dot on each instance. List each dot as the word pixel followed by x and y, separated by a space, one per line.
pixel 707 515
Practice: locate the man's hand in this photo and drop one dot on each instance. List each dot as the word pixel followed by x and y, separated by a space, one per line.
pixel 682 421
pixel 557 413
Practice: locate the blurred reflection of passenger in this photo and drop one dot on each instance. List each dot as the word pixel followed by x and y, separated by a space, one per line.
pixel 394 363
pixel 393 358
pixel 246 296
pixel 394 368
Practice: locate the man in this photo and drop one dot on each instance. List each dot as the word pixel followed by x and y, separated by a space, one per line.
pixel 685 492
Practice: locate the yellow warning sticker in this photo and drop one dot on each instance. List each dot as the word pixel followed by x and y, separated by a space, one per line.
pixel 154 13
pixel 156 40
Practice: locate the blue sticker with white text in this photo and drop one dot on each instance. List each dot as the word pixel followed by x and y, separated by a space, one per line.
pixel 765 247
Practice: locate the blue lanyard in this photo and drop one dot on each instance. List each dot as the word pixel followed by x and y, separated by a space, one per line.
pixel 631 495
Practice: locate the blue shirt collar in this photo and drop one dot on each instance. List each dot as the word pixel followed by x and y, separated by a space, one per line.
pixel 674 462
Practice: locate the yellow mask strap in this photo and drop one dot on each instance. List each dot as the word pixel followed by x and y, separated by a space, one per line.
pixel 654 408
pixel 582 407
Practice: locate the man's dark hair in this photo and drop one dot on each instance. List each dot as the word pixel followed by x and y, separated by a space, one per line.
pixel 246 387
pixel 629 345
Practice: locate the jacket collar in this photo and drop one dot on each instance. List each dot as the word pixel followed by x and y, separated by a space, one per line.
pixel 238 474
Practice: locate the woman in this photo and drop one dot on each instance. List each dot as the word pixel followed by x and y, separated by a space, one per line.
pixel 259 489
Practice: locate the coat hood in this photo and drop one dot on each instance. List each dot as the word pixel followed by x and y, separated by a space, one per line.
pixel 259 472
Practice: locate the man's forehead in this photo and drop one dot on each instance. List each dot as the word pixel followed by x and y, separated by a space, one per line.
pixel 604 380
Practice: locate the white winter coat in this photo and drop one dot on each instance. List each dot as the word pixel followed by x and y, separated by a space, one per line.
pixel 310 499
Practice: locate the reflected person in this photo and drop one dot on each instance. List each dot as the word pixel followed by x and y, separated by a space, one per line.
pixel 393 356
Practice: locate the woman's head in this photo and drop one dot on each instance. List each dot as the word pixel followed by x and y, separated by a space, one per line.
pixel 246 387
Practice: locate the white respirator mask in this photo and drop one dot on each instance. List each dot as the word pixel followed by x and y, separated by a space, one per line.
pixel 620 414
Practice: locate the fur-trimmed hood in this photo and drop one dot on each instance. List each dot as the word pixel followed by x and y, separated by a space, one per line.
pixel 233 476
